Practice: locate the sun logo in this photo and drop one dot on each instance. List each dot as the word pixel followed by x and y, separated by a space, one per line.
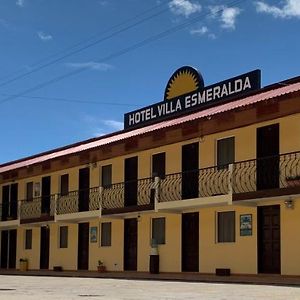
pixel 183 81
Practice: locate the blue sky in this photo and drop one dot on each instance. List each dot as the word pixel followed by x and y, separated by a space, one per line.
pixel 223 39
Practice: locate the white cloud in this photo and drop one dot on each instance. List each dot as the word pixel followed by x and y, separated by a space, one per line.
pixel 20 3
pixel 291 8
pixel 203 31
pixel 44 37
pixel 184 7
pixel 113 124
pixel 91 65
pixel 226 15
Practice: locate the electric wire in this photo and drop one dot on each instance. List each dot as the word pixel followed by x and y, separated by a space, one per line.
pixel 133 47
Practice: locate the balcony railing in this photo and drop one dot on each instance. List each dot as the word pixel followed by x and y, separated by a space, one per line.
pixel 9 211
pixel 37 208
pixel 78 201
pixel 205 182
pixel 128 194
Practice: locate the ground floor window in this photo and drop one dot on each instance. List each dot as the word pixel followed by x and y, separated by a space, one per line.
pixel 158 231
pixel 28 239
pixel 105 234
pixel 63 237
pixel 226 227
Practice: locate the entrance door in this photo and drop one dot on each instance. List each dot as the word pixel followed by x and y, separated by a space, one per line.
pixel 190 242
pixel 46 192
pixel 131 183
pixel 190 166
pixel 267 154
pixel 44 247
pixel 83 246
pixel 130 244
pixel 268 225
pixel 8 249
pixel 84 189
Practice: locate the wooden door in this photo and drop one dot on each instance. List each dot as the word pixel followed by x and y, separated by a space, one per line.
pixel 131 183
pixel 190 242
pixel 8 249
pixel 190 166
pixel 44 247
pixel 130 244
pixel 5 202
pixel 46 192
pixel 84 189
pixel 268 226
pixel 83 246
pixel 267 154
pixel 13 206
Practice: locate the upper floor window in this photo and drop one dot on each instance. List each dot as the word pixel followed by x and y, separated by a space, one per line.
pixel 159 165
pixel 64 184
pixel 225 152
pixel 29 191
pixel 106 172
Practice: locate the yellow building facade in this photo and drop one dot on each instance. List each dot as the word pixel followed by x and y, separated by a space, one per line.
pixel 216 189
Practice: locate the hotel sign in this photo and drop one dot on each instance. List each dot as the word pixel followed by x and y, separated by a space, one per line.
pixel 185 93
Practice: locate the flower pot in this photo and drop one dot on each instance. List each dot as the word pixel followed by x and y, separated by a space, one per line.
pixel 23 265
pixel 101 268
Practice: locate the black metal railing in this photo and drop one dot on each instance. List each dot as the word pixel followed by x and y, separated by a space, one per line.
pixel 37 207
pixel 281 171
pixel 9 211
pixel 205 182
pixel 78 201
pixel 127 194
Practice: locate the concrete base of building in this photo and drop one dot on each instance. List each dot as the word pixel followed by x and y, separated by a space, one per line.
pixel 261 279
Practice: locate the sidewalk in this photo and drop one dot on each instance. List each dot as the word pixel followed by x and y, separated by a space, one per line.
pixel 280 280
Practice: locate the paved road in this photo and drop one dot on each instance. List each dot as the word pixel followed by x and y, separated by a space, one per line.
pixel 44 288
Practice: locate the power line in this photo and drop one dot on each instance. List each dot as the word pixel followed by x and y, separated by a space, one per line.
pixel 124 51
pixel 54 61
pixel 61 99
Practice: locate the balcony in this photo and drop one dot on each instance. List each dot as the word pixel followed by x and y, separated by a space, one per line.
pixel 130 196
pixel 78 205
pixel 37 210
pixel 9 215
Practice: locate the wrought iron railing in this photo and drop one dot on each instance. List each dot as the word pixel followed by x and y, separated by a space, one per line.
pixel 37 207
pixel 78 201
pixel 9 211
pixel 131 193
pixel 281 171
pixel 205 182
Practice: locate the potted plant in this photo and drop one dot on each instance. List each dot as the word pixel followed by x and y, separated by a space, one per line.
pixel 23 264
pixel 101 267
pixel 293 180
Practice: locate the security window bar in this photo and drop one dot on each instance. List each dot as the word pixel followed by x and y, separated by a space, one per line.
pixel 106 234
pixel 225 152
pixel 63 237
pixel 226 227
pixel 158 231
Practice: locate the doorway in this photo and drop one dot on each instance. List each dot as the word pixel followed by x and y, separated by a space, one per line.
pixel 190 166
pixel 44 247
pixel 190 242
pixel 268 235
pixel 46 194
pixel 8 249
pixel 83 246
pixel 84 189
pixel 267 154
pixel 130 244
pixel 131 182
